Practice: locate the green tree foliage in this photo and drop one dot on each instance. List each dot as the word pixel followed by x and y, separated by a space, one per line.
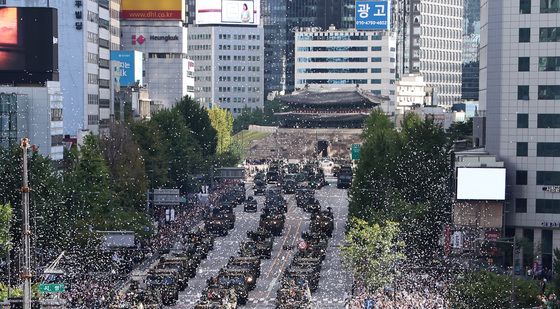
pixel 148 138
pixel 126 167
pixel 406 178
pixel 372 252
pixel 460 130
pixel 197 119
pixel 261 117
pixel 222 121
pixel 6 212
pixel 487 290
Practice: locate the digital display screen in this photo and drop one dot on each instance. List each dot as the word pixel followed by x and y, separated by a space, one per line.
pixel 25 57
pixel 229 12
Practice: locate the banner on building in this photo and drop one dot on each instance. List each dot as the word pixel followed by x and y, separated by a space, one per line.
pixel 373 15
pixel 153 9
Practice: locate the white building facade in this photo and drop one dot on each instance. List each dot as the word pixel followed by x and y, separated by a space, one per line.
pixel 346 58
pixel 434 46
pixel 520 94
pixel 36 113
pixel 87 30
pixel 229 66
pixel 168 72
pixel 412 93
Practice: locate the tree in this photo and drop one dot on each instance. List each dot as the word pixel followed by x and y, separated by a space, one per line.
pixel 222 121
pixel 179 149
pixel 5 222
pixel 197 119
pixel 405 179
pixel 126 167
pixel 483 289
pixel 460 130
pixel 148 138
pixel 372 252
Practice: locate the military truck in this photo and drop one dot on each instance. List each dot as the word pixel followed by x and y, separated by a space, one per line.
pixel 293 297
pixel 262 249
pixel 187 261
pixel 182 272
pixel 289 186
pixel 234 281
pixel 303 275
pixel 217 297
pixel 250 262
pixel 217 224
pixel 259 188
pixel 249 275
pixel 303 195
pixel 312 205
pixel 273 223
pixel 250 205
pixel 164 282
pixel 322 223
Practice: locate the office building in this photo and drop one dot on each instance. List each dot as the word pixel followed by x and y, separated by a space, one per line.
pixel 275 47
pixel 412 93
pixel 339 59
pixel 520 93
pixel 471 44
pixel 87 29
pixel 34 112
pixel 229 66
pixel 168 72
pixel 435 46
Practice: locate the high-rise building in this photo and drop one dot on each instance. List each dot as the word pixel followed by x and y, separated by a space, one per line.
pixel 229 66
pixel 162 38
pixel 340 59
pixel 520 93
pixel 275 39
pixel 434 46
pixel 471 44
pixel 87 29
pixel 281 18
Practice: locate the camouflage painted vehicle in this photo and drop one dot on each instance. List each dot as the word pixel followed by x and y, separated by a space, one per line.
pixel 273 223
pixel 252 262
pixel 216 297
pixel 165 283
pixel 322 223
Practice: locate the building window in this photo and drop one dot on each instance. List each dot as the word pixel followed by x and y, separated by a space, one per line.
pixel 57 140
pixel 522 149
pixel 521 178
pixel 93 99
pixel 524 6
pixel 548 150
pixel 376 59
pixel 548 178
pixel 546 248
pixel 376 48
pixel 524 35
pixel 549 92
pixel 56 114
pixel 521 205
pixel 548 121
pixel 93 79
pixel 523 93
pixel 523 64
pixel 550 34
pixel 547 206
pixel 522 121
pixel 549 64
pixel 376 81
pixel 550 6
pixel 376 70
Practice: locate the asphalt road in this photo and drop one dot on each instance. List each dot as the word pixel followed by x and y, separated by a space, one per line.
pixel 335 282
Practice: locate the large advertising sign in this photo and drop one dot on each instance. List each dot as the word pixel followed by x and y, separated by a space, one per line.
pixel 153 9
pixel 481 184
pixel 231 12
pixel 25 57
pixel 130 66
pixel 373 15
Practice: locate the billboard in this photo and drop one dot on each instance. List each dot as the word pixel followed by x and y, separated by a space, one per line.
pixel 153 10
pixel 230 12
pixel 28 45
pixel 130 66
pixel 481 184
pixel 373 15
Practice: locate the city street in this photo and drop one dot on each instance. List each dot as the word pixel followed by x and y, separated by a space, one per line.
pixel 335 282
